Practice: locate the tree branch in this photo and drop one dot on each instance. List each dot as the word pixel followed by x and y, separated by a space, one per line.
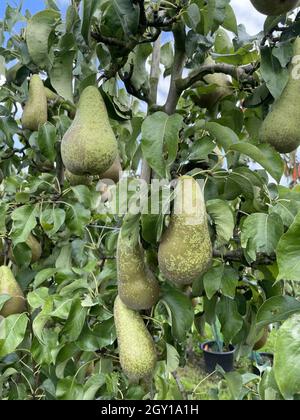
pixel 178 66
pixel 238 73
pixel 141 94
pixel 115 42
pixel 238 256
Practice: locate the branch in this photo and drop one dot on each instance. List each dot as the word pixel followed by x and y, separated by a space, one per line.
pixel 141 94
pixel 238 73
pixel 178 66
pixel 238 256
pixel 114 42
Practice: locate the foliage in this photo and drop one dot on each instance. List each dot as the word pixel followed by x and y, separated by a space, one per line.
pixel 65 347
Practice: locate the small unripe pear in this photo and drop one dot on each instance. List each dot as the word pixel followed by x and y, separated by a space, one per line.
pixel 35 111
pixel 9 286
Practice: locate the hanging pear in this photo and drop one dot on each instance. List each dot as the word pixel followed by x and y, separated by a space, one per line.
pixel 136 347
pixel 114 172
pixel 9 286
pixel 274 7
pixel 185 251
pixel 89 146
pixel 75 180
pixel 35 111
pixel 137 285
pixel 281 126
pixel 35 247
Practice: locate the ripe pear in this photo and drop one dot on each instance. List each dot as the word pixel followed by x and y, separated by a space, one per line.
pixel 136 347
pixel 89 146
pixel 274 7
pixel 261 342
pixel 9 286
pixel 281 126
pixel 77 179
pixel 34 245
pixel 35 111
pixel 223 89
pixel 137 285
pixel 185 250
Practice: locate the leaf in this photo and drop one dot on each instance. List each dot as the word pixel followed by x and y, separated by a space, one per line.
pixel 44 275
pixel 223 218
pixel 287 210
pixel 77 218
pixel 172 358
pixel 212 279
pixel 24 221
pixel 160 135
pixel 263 154
pixel 52 220
pixel 192 16
pixel 75 322
pixel 12 332
pixel 225 137
pixel 61 74
pixel 287 358
pixel 46 141
pixel 276 309
pixel 288 251
pixel 180 311
pixel 273 74
pixel 234 381
pixel 93 384
pixel 230 319
pixel 260 234
pixel 38 32
pixel 69 390
pixel 268 388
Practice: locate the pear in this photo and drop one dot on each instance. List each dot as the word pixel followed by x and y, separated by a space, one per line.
pixel 89 146
pixel 136 347
pixel 222 89
pixel 34 245
pixel 281 126
pixel 261 342
pixel 75 180
pixel 9 286
pixel 185 250
pixel 35 111
pixel 137 285
pixel 274 7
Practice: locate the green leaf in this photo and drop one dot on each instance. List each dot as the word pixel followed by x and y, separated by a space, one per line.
pixel 69 390
pixel 75 322
pixel 234 381
pixel 160 135
pixel 52 220
pixel 287 358
pixel 12 332
pixel 192 16
pixel 212 279
pixel 276 309
pixel 24 221
pixel 288 251
pixel 263 154
pixel 273 74
pixel 260 234
pixel 38 32
pixel 77 218
pixel 180 311
pixel 224 136
pixel 268 388
pixel 44 275
pixel 287 210
pixel 172 358
pixel 93 385
pixel 223 218
pixel 230 319
pixel 46 141
pixel 61 74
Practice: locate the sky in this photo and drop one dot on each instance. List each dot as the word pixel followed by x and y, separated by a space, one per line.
pixel 245 13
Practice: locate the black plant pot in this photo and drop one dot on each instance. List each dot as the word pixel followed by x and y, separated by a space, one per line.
pixel 213 358
pixel 267 359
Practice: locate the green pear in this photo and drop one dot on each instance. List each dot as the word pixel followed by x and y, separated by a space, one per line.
pixel 274 7
pixel 9 286
pixel 222 89
pixel 35 111
pixel 185 250
pixel 89 146
pixel 137 285
pixel 281 126
pixel 136 346
pixel 75 180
